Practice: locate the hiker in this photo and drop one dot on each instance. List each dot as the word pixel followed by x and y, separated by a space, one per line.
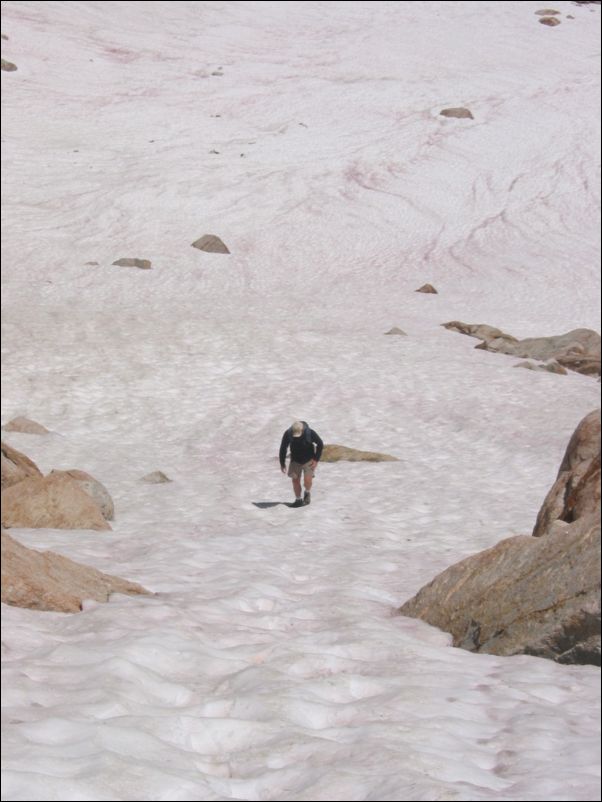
pixel 304 458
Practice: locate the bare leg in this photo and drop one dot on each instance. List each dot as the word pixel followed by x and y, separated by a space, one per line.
pixel 307 480
pixel 297 486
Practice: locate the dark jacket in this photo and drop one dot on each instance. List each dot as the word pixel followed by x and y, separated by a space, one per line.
pixel 302 450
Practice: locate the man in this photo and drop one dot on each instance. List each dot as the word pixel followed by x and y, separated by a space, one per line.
pixel 306 450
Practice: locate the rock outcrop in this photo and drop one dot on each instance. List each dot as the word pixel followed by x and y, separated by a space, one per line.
pixel 576 491
pixel 533 595
pixel 577 350
pixel 538 596
pixel 16 467
pixel 427 288
pixel 49 581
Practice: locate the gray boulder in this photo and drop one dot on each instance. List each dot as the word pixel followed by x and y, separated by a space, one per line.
pixel 211 244
pixel 156 478
pixel 459 112
pixel 142 264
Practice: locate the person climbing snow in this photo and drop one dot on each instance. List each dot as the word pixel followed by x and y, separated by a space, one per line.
pixel 306 449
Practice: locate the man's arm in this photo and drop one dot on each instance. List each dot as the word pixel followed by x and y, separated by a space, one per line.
pixel 283 449
pixel 315 438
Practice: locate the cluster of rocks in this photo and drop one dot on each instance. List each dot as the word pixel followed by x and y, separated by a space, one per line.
pixel 577 350
pixel 539 594
pixel 71 499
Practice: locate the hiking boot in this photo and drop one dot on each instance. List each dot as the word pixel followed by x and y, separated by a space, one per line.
pixel 297 503
pixel 306 497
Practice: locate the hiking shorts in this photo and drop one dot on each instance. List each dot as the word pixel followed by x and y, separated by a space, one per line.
pixel 295 469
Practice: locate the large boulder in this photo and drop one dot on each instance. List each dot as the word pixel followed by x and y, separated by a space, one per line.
pixel 335 453
pixel 48 581
pixel 50 502
pixel 16 466
pixel 533 595
pixel 527 595
pixel 95 489
pixel 576 491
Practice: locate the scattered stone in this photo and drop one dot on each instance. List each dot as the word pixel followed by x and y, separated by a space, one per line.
pixel 156 478
pixel 91 263
pixel 550 21
pixel 50 502
pixel 427 288
pixel 16 467
pixel 335 453
pixel 396 330
pixel 546 12
pixel 25 426
pixel 4 36
pixel 459 112
pixel 210 243
pixel 143 264
pixel 48 581
pixel 7 65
